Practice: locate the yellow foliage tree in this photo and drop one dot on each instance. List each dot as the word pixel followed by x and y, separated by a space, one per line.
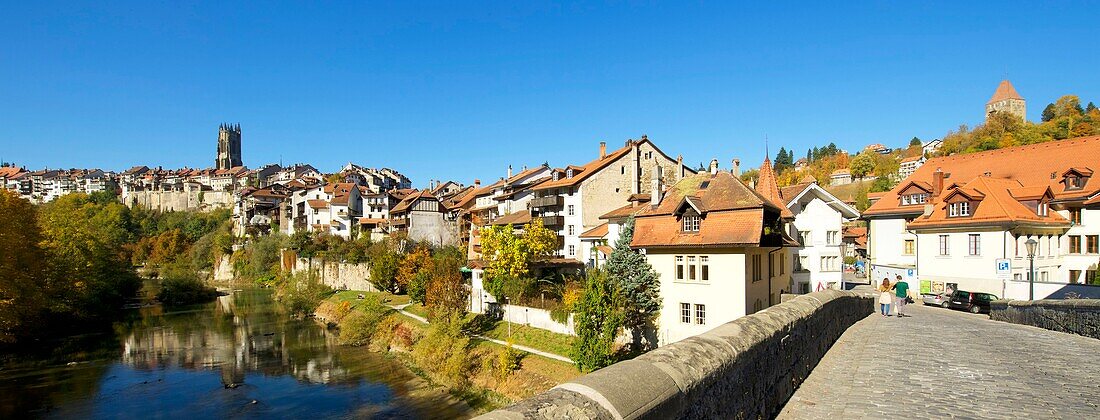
pixel 21 265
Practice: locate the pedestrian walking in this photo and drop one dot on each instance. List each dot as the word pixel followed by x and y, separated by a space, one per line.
pixel 901 293
pixel 886 297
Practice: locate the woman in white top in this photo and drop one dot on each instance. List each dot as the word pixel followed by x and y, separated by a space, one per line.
pixel 886 297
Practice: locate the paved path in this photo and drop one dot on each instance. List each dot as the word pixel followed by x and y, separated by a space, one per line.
pixel 401 309
pixel 941 363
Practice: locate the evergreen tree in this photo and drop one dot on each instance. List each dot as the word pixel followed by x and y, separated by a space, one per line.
pixel 1091 107
pixel 915 141
pixel 1048 113
pixel 598 320
pixel 809 155
pixel 639 285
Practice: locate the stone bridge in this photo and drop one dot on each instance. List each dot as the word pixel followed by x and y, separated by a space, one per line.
pixel 821 356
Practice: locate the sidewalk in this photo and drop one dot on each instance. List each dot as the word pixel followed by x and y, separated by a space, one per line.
pixel 401 309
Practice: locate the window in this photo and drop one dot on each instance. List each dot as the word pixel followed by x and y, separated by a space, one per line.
pixel 700 314
pixel 959 209
pixel 756 273
pixel 831 236
pixel 771 265
pixel 685 313
pixel 1074 276
pixel 1017 277
pixel 1074 244
pixel 1043 276
pixel 691 223
pixel 679 267
pixel 1042 209
pixel 802 262
pixel 704 268
pixel 571 230
pixel 572 250
pixel 1090 275
pixel 974 244
pixel 691 268
pixel 1092 243
pixel 805 237
pixel 944 249
pixel 909 247
pixel 757 306
pixel 571 210
pixel 1075 216
pixel 782 264
pixel 622 170
pixel 829 263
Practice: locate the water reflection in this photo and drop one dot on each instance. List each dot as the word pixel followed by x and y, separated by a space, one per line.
pixel 240 356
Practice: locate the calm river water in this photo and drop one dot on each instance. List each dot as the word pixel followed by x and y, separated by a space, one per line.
pixel 238 357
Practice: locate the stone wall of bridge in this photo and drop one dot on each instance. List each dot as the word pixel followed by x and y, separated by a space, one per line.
pixel 747 368
pixel 1074 316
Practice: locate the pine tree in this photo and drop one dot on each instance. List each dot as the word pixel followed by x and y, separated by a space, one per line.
pixel 639 285
pixel 598 320
pixel 1048 113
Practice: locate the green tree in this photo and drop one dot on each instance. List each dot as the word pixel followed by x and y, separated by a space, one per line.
pixel 22 272
pixel 915 141
pixel 640 286
pixel 1048 113
pixel 862 202
pixel 384 263
pixel 509 255
pixel 861 165
pixel 597 322
pixel 414 272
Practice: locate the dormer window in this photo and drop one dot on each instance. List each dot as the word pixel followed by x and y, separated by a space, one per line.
pixel 569 173
pixel 1075 182
pixel 959 209
pixel 1042 209
pixel 690 223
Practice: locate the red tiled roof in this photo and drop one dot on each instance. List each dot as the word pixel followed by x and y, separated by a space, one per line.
pixel 1004 91
pixel 1029 166
pixel 521 217
pixel 624 211
pixel 994 204
pixel 318 204
pixel 596 232
pixel 580 173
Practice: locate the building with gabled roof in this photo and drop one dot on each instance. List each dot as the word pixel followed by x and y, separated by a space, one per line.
pixel 719 248
pixel 950 221
pixel 1006 100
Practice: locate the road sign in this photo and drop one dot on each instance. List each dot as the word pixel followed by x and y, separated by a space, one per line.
pixel 1004 268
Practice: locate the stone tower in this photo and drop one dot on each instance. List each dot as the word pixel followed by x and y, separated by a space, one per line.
pixel 229 146
pixel 1005 99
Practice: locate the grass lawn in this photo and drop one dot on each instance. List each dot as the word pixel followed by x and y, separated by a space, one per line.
pixel 533 337
pixel 387 298
pixel 417 309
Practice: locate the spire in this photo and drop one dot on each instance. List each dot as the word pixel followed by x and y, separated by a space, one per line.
pixel 1005 91
pixel 769 188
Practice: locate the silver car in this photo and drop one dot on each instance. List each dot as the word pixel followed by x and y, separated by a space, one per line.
pixel 935 300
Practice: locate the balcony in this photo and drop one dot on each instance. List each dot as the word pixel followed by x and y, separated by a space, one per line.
pixel 553 220
pixel 549 201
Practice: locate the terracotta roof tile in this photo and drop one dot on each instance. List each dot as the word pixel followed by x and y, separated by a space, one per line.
pixel 318 204
pixel 769 188
pixel 518 218
pixel 736 227
pixel 596 232
pixel 1004 91
pixel 995 205
pixel 624 211
pixel 1032 165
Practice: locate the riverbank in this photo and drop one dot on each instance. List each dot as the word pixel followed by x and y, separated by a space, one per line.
pixel 494 376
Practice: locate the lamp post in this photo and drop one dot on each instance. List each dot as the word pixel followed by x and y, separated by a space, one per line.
pixel 1031 244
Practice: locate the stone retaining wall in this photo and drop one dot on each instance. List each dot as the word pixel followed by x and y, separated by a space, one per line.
pixel 1074 316
pixel 747 368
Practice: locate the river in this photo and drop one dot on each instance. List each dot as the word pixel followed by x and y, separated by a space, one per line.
pixel 238 357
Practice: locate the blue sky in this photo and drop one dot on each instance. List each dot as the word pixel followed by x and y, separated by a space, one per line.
pixel 460 90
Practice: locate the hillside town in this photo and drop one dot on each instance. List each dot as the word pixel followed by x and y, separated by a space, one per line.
pixel 725 243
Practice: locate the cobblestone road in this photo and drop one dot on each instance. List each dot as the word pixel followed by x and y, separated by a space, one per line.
pixel 941 363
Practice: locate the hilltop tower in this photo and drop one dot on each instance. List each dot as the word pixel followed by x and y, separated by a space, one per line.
pixel 229 146
pixel 1005 99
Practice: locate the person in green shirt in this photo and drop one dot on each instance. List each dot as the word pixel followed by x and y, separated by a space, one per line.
pixel 901 292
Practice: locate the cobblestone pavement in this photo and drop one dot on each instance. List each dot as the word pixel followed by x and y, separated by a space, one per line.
pixel 940 363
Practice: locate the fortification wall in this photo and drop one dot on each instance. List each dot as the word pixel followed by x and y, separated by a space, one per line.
pixel 1074 316
pixel 179 200
pixel 747 368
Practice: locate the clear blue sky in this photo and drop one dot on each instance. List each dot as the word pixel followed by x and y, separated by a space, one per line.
pixel 459 90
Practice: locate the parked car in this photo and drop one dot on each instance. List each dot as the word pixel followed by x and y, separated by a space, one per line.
pixel 975 302
pixel 934 300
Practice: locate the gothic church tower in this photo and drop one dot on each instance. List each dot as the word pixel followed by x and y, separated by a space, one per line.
pixel 229 146
pixel 1005 99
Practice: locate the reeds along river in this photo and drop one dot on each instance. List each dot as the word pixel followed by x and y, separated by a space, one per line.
pixel 239 357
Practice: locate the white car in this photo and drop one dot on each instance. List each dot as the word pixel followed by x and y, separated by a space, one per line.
pixel 935 300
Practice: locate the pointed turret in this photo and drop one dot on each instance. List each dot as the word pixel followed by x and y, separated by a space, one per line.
pixel 769 188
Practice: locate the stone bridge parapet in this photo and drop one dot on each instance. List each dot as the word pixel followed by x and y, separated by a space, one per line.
pixel 747 368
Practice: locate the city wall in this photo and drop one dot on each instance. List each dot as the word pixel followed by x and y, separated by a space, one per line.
pixel 1074 316
pixel 179 200
pixel 747 368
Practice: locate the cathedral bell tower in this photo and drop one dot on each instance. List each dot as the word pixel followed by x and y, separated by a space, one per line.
pixel 229 146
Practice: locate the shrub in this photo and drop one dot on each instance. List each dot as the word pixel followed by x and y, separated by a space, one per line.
pixel 446 348
pixel 359 326
pixel 302 293
pixel 507 361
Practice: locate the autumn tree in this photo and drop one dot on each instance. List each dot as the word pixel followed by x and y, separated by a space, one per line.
pixel 509 255
pixel 446 291
pixel 22 270
pixel 414 272
pixel 861 165
pixel 598 321
pixel 640 286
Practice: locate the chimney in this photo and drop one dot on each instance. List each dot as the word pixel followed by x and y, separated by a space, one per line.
pixel 679 167
pixel 603 149
pixel 937 183
pixel 714 166
pixel 736 171
pixel 477 182
pixel 509 171
pixel 655 187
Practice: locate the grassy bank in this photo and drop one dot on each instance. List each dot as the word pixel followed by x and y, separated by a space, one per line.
pixel 484 374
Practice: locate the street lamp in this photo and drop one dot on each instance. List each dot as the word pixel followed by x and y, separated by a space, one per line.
pixel 1031 244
